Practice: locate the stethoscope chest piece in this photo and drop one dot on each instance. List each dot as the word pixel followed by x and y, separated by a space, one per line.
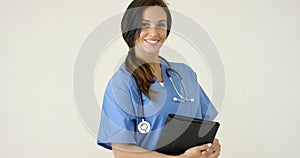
pixel 144 127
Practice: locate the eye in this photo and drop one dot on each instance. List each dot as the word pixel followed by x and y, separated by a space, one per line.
pixel 161 25
pixel 145 25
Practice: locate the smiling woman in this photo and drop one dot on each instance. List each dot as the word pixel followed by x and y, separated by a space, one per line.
pixel 145 29
pixel 140 96
pixel 152 35
pixel 153 32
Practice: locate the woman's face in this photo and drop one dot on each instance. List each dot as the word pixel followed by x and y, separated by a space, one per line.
pixel 153 32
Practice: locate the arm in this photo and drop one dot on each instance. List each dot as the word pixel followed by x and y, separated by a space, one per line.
pixel 133 151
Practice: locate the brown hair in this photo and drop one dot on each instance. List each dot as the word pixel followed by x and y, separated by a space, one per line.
pixel 131 28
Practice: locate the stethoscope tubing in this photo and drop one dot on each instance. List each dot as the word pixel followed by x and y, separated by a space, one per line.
pixel 144 126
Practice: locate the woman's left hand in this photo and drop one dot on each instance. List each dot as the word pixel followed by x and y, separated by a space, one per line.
pixel 214 150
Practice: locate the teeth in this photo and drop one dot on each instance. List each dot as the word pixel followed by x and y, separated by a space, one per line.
pixel 152 41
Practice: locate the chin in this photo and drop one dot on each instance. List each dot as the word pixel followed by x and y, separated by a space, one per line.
pixel 149 49
pixel 152 50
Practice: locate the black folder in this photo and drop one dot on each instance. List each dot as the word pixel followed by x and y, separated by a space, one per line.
pixel 181 133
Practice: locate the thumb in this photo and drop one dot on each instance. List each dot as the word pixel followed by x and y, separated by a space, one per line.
pixel 203 147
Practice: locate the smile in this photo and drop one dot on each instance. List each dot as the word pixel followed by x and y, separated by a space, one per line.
pixel 151 42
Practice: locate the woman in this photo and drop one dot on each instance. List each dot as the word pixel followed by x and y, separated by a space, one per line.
pixel 143 80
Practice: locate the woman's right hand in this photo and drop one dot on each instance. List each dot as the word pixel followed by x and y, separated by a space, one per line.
pixel 197 152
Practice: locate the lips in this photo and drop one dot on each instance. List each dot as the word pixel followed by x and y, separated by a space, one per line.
pixel 152 41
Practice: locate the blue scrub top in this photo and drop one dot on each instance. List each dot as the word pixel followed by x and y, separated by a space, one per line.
pixel 121 108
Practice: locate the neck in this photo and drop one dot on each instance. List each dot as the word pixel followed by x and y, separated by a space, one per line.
pixel 155 66
pixel 152 59
pixel 156 70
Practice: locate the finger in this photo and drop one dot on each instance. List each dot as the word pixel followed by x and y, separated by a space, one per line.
pixel 203 147
pixel 204 150
pixel 214 152
pixel 214 148
pixel 216 141
pixel 205 154
pixel 216 145
pixel 214 155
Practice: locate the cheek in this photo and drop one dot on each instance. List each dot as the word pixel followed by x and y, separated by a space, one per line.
pixel 139 38
pixel 143 33
pixel 163 34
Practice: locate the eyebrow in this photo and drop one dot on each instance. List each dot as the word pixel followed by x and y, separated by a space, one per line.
pixel 150 20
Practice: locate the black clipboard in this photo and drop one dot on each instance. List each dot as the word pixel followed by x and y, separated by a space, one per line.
pixel 181 133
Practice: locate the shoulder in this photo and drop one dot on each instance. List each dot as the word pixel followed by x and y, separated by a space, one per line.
pixel 121 79
pixel 185 71
pixel 121 74
pixel 182 67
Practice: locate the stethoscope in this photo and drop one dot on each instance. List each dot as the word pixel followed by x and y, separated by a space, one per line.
pixel 144 126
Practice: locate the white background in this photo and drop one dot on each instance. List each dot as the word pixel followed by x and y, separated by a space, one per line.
pixel 258 41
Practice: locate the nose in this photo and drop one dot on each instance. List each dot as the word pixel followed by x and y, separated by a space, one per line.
pixel 153 31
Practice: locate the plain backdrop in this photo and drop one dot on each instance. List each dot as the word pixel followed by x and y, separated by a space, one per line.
pixel 258 42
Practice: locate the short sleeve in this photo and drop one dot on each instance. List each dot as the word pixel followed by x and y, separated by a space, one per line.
pixel 117 124
pixel 208 110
